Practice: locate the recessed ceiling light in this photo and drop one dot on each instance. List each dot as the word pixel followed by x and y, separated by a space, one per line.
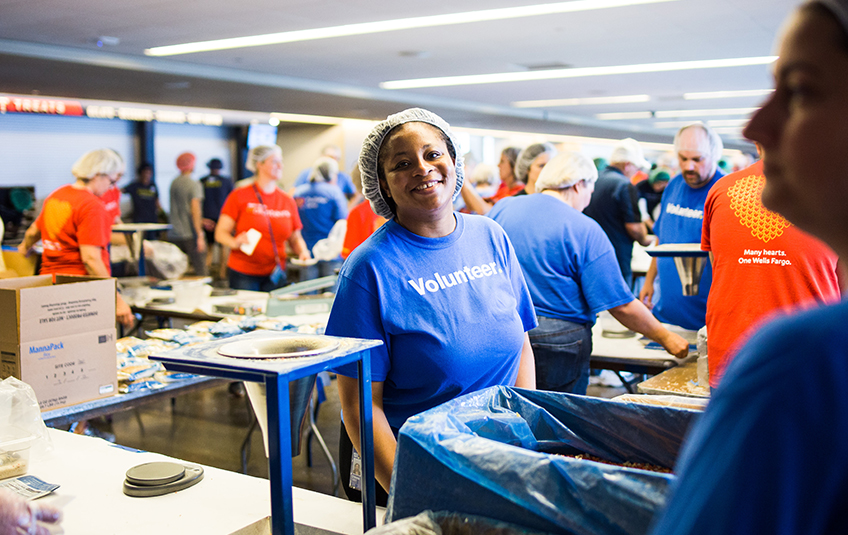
pixel 393 25
pixel 727 94
pixel 624 99
pixel 496 78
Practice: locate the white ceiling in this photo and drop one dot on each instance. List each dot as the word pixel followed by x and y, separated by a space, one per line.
pixel 48 46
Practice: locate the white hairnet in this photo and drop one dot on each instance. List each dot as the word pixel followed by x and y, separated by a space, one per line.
pixel 527 156
pixel 369 156
pixel 261 153
pixel 324 169
pixel 566 169
pixel 98 162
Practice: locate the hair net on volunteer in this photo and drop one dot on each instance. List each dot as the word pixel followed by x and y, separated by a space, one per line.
pixel 368 157
pixel 527 156
pixel 565 170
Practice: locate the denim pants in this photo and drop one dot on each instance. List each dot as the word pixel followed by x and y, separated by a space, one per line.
pixel 562 350
pixel 255 283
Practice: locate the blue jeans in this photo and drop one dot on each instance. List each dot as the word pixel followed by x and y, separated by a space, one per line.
pixel 562 350
pixel 255 283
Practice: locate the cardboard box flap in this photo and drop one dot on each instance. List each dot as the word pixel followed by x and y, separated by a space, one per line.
pixel 44 309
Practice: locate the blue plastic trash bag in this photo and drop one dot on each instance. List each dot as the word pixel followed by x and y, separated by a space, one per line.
pixel 490 454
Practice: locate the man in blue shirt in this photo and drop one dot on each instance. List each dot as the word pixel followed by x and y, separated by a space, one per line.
pixel 615 207
pixel 681 219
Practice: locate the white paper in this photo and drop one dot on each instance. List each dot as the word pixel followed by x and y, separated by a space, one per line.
pixel 253 237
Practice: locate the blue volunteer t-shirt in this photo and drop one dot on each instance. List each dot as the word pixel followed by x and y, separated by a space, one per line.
pixel 319 205
pixel 768 455
pixel 343 180
pixel 567 259
pixel 680 221
pixel 451 312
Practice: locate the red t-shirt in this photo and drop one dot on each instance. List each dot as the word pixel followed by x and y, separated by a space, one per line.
pixel 763 265
pixel 72 217
pixel 112 201
pixel 248 212
pixel 361 223
pixel 504 192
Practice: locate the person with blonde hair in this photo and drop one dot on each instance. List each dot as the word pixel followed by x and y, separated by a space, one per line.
pixel 572 272
pixel 74 226
pixel 267 213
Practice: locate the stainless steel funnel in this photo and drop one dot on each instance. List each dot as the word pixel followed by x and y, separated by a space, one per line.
pixel 690 269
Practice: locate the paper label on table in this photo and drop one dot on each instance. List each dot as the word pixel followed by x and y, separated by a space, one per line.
pixel 253 237
pixel 30 487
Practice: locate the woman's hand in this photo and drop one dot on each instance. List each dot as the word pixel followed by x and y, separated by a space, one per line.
pixel 240 240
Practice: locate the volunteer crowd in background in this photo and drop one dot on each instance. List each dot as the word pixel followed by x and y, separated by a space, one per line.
pixel 552 251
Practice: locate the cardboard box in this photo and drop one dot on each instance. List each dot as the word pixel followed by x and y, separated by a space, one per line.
pixel 34 308
pixel 65 370
pixel 59 337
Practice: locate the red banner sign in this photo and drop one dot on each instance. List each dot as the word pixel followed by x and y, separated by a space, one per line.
pixel 39 105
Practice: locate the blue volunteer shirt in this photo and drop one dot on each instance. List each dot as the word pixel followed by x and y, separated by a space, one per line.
pixel 319 205
pixel 343 180
pixel 680 221
pixel 567 259
pixel 768 455
pixel 451 311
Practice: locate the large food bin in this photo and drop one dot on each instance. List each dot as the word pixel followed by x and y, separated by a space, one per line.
pixel 502 453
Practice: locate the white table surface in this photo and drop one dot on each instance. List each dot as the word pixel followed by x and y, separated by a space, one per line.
pixel 631 348
pixel 91 472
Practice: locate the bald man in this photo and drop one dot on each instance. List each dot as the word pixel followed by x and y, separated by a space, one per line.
pixel 681 218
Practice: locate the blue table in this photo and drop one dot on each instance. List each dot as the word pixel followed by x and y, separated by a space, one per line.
pixel 276 374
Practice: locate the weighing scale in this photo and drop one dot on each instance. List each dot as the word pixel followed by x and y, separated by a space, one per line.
pixel 689 260
pixel 260 357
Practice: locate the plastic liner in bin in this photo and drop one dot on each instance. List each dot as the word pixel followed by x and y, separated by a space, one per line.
pixel 489 454
pixel 445 523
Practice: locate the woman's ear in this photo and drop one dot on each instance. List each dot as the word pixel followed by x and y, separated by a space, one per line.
pixel 384 187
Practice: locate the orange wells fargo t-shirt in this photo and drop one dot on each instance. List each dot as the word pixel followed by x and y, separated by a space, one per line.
pixel 763 265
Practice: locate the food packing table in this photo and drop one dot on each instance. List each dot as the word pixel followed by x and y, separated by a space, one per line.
pixel 276 374
pixel 90 471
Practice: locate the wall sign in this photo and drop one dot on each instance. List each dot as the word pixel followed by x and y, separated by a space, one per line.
pixel 39 105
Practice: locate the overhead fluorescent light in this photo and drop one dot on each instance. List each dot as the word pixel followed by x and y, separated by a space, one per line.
pixel 393 25
pixel 525 76
pixel 728 122
pixel 665 114
pixel 671 124
pixel 712 123
pixel 552 103
pixel 727 94
pixel 302 118
pixel 624 115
